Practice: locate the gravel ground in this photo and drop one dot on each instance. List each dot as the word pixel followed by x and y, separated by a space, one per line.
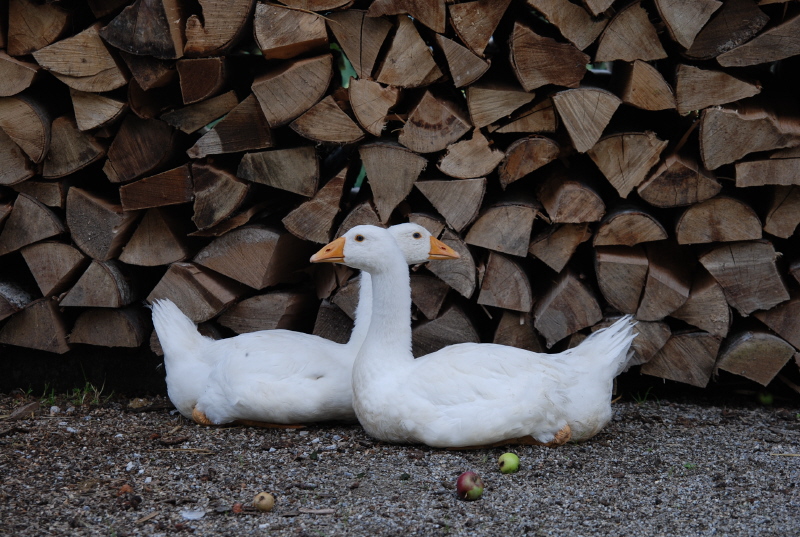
pixel 660 468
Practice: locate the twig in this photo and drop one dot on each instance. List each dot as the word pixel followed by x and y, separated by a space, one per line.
pixel 785 454
pixel 145 518
pixel 193 450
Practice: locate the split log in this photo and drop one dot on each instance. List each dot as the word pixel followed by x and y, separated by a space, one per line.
pixel 516 330
pixel 332 323
pixel 149 72
pixel 539 117
pixel 505 285
pixel 475 22
pixel 627 225
pixel 706 307
pixel 773 171
pixel 27 122
pixel 697 88
pixel 451 327
pixel 222 25
pixel 106 327
pixel 200 294
pixel 244 129
pixel 754 354
pixel 313 220
pixel 150 104
pixel 557 243
pixel 55 265
pixel 566 307
pixel 471 158
pixel 783 214
pixel 391 172
pixel 30 221
pixel 457 273
pixel 83 62
pixel 160 239
pixel 569 201
pixel 361 214
pixel 201 78
pixel 773 45
pixel 573 21
pixel 465 66
pixel 538 60
pixel 141 146
pixel 318 5
pixel 16 76
pixel 217 195
pixel 99 227
pixel 166 188
pixel 629 36
pixel 95 111
pixel 687 357
pixel 256 256
pixel 685 19
pixel 360 37
pixel 39 326
pixel 489 101
pixel 736 22
pixel 645 88
pixel 458 201
pixel 585 113
pixel 282 33
pixel 192 118
pixel 70 149
pixel 428 294
pixel 782 319
pixel 51 193
pixel 371 103
pixel 794 270
pixel 346 297
pixel 433 124
pixel 295 170
pixel 287 92
pixel 286 310
pixel 621 274
pixel 524 156
pixel 15 167
pixel 728 135
pixel 431 13
pixel 505 226
pixel 747 273
pixel 678 181
pixel 668 281
pixel 409 62
pixel 598 7
pixel 105 284
pixel 626 158
pixel 13 298
pixel 720 219
pixel 326 122
pixel 32 26
pixel 164 22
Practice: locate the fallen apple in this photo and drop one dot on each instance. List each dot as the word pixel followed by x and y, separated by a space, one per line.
pixel 469 486
pixel 264 501
pixel 509 463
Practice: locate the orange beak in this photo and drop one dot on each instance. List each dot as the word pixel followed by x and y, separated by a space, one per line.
pixel 440 250
pixel 332 253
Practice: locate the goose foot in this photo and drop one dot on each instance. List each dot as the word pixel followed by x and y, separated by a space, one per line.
pixel 200 418
pixel 559 439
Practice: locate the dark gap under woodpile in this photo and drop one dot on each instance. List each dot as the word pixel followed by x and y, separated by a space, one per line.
pixel 587 160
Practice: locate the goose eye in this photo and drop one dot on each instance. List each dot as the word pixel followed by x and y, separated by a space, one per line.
pixel 359 238
pixel 417 235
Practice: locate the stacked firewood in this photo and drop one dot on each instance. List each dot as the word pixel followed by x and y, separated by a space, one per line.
pixel 586 159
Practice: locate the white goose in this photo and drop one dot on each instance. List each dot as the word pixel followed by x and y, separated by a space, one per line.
pixel 272 376
pixel 470 394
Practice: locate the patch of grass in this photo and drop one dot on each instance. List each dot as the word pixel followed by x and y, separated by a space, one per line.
pixel 48 399
pixel 689 465
pixel 642 398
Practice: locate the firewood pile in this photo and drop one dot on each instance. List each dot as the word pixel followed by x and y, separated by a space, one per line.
pixel 586 159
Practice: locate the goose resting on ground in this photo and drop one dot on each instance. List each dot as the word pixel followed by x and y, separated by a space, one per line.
pixel 470 394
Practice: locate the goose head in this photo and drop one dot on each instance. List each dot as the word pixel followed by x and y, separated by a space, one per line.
pixel 370 247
